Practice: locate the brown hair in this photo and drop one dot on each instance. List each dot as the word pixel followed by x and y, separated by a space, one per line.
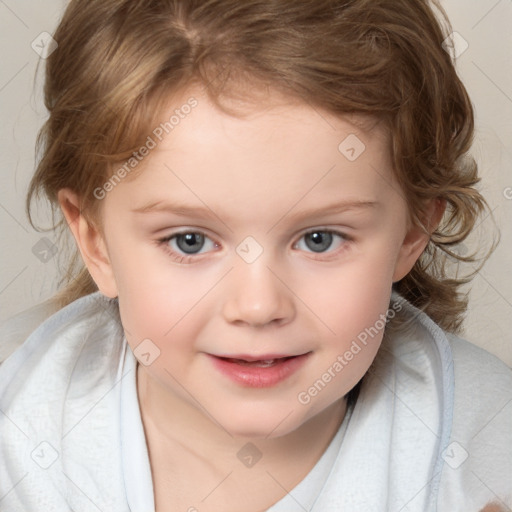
pixel 119 60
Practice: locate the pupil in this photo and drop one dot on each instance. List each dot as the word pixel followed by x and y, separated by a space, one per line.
pixel 192 242
pixel 321 241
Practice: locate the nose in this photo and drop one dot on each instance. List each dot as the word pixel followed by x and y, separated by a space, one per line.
pixel 257 296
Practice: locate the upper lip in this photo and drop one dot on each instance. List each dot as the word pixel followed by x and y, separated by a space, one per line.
pixel 260 357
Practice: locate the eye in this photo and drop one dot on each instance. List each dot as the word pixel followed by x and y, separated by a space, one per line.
pixel 183 246
pixel 321 240
pixel 189 243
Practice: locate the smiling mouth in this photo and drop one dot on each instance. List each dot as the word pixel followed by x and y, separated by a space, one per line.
pixel 259 371
pixel 260 363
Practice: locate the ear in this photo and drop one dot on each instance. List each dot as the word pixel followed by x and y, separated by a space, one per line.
pixel 417 239
pixel 90 242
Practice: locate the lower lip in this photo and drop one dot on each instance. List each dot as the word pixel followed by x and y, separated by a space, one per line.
pixel 257 376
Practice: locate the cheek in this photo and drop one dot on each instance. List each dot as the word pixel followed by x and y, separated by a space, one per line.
pixel 353 295
pixel 352 306
pixel 150 295
pixel 158 312
pixel 165 306
pixel 164 328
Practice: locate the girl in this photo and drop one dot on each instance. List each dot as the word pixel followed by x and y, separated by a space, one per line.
pixel 263 195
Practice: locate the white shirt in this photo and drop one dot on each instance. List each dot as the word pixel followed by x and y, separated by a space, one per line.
pixel 431 429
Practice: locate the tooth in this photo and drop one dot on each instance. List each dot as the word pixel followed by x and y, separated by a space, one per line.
pixel 263 363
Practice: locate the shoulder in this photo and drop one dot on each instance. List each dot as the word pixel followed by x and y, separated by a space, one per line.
pixel 480 376
pixel 472 358
pixel 69 343
pixel 482 405
pixel 60 396
pixel 45 320
pixel 16 329
pixel 475 370
pixel 479 456
pixel 483 390
pixel 70 358
pixel 475 407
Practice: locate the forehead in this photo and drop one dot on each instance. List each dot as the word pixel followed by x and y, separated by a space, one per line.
pixel 270 113
pixel 276 148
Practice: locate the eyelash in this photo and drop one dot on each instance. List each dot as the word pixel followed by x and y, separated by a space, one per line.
pixel 186 258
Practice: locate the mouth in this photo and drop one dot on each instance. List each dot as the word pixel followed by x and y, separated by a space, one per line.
pixel 263 362
pixel 258 371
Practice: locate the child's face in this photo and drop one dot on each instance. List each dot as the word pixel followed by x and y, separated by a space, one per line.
pixel 253 282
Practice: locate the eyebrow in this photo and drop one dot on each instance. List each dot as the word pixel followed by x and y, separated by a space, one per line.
pixel 184 210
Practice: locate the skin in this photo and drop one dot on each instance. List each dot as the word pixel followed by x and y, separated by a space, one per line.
pixel 257 177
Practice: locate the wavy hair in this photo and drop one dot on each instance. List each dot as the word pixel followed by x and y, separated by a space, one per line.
pixel 119 60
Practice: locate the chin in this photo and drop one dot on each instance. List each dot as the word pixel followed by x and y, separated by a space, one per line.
pixel 262 425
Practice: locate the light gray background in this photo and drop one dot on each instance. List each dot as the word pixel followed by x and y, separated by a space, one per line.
pixel 485 67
